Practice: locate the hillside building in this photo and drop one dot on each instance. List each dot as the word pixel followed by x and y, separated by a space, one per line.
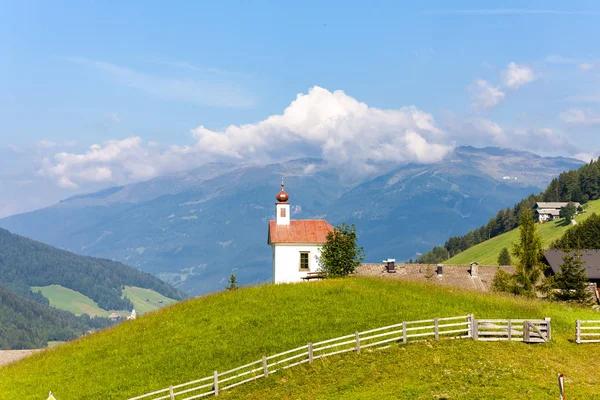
pixel 296 244
pixel 549 211
pixel 591 259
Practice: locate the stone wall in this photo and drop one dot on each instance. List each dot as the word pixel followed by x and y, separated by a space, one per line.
pixel 453 275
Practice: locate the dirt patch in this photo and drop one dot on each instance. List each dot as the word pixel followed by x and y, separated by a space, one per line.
pixel 9 356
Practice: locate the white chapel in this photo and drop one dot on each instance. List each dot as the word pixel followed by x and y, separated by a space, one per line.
pixel 296 244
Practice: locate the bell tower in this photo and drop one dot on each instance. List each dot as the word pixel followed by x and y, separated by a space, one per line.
pixel 282 207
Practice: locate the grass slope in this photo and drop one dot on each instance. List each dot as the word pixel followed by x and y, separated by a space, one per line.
pixel 144 300
pixel 193 338
pixel 486 253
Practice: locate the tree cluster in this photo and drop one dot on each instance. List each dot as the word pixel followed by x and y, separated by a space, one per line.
pixel 578 186
pixel 25 324
pixel 25 263
pixel 585 235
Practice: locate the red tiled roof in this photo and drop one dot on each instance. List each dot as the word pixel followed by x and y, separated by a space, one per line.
pixel 299 231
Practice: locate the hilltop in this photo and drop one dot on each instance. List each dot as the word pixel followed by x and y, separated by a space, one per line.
pixel 193 229
pixel 224 330
pixel 486 253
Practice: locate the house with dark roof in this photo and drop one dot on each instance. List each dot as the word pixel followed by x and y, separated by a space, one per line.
pixel 547 211
pixel 554 259
pixel 296 244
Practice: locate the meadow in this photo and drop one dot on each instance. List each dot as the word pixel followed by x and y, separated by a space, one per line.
pixel 193 338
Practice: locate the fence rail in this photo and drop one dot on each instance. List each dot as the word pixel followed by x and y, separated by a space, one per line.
pixel 402 333
pixel 587 331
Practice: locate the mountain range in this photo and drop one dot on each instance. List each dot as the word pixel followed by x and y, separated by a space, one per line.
pixel 193 229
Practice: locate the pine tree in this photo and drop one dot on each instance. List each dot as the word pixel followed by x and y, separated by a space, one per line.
pixel 529 253
pixel 504 257
pixel 232 282
pixel 572 278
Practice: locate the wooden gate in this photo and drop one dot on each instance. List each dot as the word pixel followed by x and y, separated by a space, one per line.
pixel 522 330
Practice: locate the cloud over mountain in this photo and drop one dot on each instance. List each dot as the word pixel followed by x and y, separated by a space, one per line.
pixel 332 125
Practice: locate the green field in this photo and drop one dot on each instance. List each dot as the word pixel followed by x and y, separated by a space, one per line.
pixel 191 339
pixel 146 300
pixel 486 253
pixel 63 298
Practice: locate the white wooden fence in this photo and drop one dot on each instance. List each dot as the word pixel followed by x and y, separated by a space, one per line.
pixel 453 327
pixel 532 331
pixel 587 331
pixel 524 330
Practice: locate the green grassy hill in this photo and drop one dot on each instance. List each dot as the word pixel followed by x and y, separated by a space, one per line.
pixel 486 253
pixel 193 338
pixel 63 298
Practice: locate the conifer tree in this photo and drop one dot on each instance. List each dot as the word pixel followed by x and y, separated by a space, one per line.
pixel 529 253
pixel 572 278
pixel 232 282
pixel 504 257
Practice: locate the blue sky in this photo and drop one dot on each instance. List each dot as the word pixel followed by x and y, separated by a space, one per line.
pixel 155 86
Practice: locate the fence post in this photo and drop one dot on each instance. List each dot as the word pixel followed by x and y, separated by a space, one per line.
pixel 475 329
pixel 265 366
pixel 578 332
pixel 526 331
pixel 310 352
pixel 216 384
pixel 357 343
pixel 404 332
pixel 470 325
pixel 171 393
pixel 549 328
pixel 509 328
pixel 435 328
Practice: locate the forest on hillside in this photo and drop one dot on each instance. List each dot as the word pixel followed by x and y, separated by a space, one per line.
pixel 25 324
pixel 25 263
pixel 581 185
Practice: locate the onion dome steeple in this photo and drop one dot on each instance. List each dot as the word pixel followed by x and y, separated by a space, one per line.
pixel 282 196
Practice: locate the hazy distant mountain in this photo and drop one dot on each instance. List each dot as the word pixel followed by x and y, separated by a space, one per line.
pixel 195 228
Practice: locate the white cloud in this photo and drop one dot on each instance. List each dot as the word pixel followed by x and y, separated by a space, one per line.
pixel 331 125
pixel 14 148
pixel 49 144
pixel 485 95
pixel 585 66
pixel 113 116
pixel 578 117
pixel 587 157
pixel 477 131
pixel 558 59
pixel 207 92
pixel 516 76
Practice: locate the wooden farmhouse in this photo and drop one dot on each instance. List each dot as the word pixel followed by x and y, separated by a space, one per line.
pixel 549 211
pixel 296 244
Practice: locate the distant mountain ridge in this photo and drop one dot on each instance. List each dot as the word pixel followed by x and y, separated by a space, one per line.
pixel 195 228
